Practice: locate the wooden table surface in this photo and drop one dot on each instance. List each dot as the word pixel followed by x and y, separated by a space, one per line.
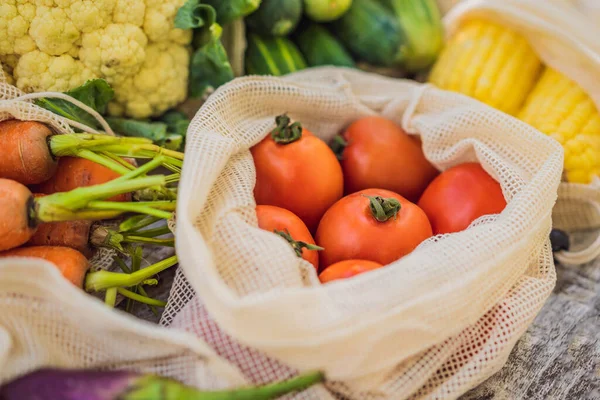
pixel 558 358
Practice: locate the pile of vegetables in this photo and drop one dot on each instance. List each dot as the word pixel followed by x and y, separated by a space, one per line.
pixel 366 199
pixel 288 35
pixel 67 195
pixel 159 59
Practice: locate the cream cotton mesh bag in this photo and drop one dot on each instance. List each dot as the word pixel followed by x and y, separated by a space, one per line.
pixel 431 325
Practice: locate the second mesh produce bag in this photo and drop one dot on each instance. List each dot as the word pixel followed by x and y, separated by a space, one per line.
pixel 538 60
pixel 432 324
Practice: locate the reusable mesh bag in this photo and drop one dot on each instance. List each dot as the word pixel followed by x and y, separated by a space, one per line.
pixel 431 325
pixel 564 34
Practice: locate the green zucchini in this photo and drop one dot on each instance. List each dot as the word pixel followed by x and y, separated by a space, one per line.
pixel 325 10
pixel 275 17
pixel 320 47
pixel 229 10
pixel 272 56
pixel 421 22
pixel 372 33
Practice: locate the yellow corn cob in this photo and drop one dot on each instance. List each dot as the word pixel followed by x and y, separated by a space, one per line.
pixel 489 62
pixel 558 107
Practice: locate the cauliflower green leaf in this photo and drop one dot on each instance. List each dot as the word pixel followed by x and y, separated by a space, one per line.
pixel 193 15
pixel 95 93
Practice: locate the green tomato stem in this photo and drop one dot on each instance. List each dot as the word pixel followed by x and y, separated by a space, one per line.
pixel 141 298
pixel 102 280
pixel 298 246
pixel 284 132
pixel 383 209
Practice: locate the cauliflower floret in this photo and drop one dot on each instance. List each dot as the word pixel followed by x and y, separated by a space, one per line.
pixel 59 44
pixel 15 18
pixel 8 65
pixel 159 22
pixel 37 71
pixel 114 52
pixel 130 12
pixel 53 31
pixel 89 15
pixel 159 85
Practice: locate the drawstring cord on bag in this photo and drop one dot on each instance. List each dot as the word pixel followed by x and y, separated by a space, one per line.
pixel 583 256
pixel 66 97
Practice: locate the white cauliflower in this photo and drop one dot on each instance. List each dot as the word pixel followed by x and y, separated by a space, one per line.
pixel 145 93
pixel 133 44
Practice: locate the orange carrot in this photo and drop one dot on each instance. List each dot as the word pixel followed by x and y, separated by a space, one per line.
pixel 21 213
pixel 72 264
pixel 74 172
pixel 16 224
pixel 29 160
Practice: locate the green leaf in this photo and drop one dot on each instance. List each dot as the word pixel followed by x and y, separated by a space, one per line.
pixel 177 122
pixel 229 10
pixel 193 15
pixel 209 68
pixel 95 93
pixel 155 131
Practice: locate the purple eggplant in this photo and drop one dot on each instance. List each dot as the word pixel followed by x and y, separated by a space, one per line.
pixel 64 384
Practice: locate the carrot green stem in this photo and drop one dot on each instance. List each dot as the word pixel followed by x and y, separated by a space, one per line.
pixel 137 222
pixel 297 245
pixel 284 132
pixel 383 209
pixel 110 298
pixel 129 207
pixel 122 265
pixel 65 206
pixel 150 282
pixel 102 280
pixel 142 239
pixel 163 230
pixel 142 299
pixel 149 166
pixel 118 159
pixel 165 205
pixel 102 160
pixel 142 291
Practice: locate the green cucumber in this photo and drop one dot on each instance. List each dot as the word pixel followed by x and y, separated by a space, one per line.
pixel 326 10
pixel 272 56
pixel 421 22
pixel 372 33
pixel 275 17
pixel 320 47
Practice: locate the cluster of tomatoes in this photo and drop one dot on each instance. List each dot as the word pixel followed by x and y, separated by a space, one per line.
pixel 365 200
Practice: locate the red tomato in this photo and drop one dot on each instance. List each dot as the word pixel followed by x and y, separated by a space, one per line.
pixel 460 195
pixel 347 269
pixel 297 171
pixel 349 229
pixel 381 154
pixel 271 218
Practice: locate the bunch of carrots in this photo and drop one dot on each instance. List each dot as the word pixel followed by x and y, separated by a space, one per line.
pixel 58 191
